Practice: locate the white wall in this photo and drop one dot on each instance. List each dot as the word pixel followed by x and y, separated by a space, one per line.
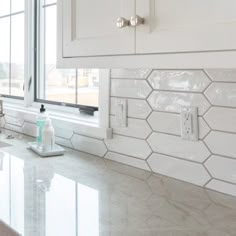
pixel 152 139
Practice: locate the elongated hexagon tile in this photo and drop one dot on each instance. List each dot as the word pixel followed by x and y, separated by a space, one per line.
pixel 64 142
pixel 130 73
pixel 221 143
pixel 89 145
pixel 222 168
pixel 14 120
pixel 179 80
pixel 63 133
pixel 136 128
pixel 180 169
pixel 172 101
pixel 222 94
pixel 2 122
pixel 221 118
pixel 128 146
pixel 170 124
pixel 15 128
pixel 228 75
pixel 130 88
pixel 223 187
pixel 127 160
pixel 137 108
pixel 175 146
pixel 29 129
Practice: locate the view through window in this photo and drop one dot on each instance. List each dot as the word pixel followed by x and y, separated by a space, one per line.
pixel 12 47
pixel 69 86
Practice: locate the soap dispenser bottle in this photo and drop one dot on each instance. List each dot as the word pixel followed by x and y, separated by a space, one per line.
pixel 40 122
pixel 48 135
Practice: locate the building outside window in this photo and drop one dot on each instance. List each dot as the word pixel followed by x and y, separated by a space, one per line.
pixel 12 42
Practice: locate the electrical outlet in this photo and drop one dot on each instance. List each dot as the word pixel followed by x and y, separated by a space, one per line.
pixel 189 123
pixel 121 113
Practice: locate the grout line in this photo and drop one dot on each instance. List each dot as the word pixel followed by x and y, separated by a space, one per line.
pixel 204 186
pixel 137 158
pixel 205 72
pixel 86 136
pixel 207 146
pixel 134 98
pixel 223 131
pixel 178 158
pixel 223 156
pixel 225 181
pixel 178 91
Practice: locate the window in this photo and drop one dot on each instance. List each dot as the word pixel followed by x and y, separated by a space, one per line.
pixel 12 47
pixel 72 87
pixel 28 69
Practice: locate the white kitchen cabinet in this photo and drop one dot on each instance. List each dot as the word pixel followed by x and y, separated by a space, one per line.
pixel 89 28
pixel 186 26
pixel 175 34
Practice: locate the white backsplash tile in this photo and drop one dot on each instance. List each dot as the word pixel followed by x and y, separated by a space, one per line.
pixel 130 73
pixel 172 101
pixel 179 169
pixel 227 75
pixel 63 142
pixel 221 118
pixel 222 143
pixel 136 108
pixel 2 122
pixel 15 128
pixel 158 112
pixel 136 128
pixel 222 187
pixel 179 80
pixel 127 160
pixel 130 88
pixel 89 145
pixel 170 124
pixel 165 122
pixel 175 146
pixel 129 146
pixel 222 168
pixel 63 133
pixel 14 120
pixel 222 94
pixel 29 129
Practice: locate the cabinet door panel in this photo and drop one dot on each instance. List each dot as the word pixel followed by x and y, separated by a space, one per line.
pixel 186 26
pixel 89 28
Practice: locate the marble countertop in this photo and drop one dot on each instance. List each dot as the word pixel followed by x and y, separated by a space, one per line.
pixel 82 195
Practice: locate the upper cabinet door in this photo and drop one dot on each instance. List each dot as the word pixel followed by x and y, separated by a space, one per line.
pixel 186 26
pixel 89 28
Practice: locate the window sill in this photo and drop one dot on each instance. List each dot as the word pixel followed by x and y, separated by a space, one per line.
pixel 80 124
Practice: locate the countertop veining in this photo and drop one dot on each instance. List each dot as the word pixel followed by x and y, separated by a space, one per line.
pixel 79 194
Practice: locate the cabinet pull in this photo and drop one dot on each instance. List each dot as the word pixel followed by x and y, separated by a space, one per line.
pixel 121 22
pixel 136 20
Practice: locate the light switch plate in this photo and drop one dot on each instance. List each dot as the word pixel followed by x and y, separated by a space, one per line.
pixel 121 112
pixel 189 123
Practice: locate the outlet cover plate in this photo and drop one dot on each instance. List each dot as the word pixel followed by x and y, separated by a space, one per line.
pixel 189 123
pixel 121 112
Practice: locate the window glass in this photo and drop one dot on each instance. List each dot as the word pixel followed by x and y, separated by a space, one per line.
pixel 17 5
pixel 4 55
pixel 50 1
pixel 12 47
pixel 17 55
pixel 70 86
pixel 88 87
pixel 4 7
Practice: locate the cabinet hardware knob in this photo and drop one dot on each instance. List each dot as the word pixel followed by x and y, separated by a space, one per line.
pixel 121 22
pixel 136 20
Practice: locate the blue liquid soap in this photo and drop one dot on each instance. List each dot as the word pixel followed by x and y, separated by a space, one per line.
pixel 40 122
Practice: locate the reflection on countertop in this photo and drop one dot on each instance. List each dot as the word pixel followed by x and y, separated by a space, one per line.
pixel 82 195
